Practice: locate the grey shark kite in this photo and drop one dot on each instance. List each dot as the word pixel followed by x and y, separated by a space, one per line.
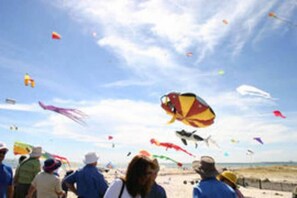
pixel 190 136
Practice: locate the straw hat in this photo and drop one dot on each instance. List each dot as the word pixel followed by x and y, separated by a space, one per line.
pixel 36 152
pixel 205 167
pixel 229 175
pixel 90 158
pixel 3 146
pixel 51 165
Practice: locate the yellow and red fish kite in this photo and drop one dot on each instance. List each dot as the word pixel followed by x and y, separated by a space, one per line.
pixel 188 108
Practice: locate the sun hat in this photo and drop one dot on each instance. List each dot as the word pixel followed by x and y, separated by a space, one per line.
pixel 229 175
pixel 36 151
pixel 3 146
pixel 205 167
pixel 51 165
pixel 90 158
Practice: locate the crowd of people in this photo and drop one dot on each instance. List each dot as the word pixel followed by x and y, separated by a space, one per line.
pixel 29 181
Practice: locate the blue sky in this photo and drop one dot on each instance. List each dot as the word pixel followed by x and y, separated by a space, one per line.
pixel 117 58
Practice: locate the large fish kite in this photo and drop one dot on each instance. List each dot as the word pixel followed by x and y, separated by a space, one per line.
pixel 73 114
pixel 190 136
pixel 169 145
pixel 188 108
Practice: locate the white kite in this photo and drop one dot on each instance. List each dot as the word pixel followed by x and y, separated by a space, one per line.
pixel 253 91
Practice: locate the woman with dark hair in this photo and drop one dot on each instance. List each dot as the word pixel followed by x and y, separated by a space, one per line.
pixel 137 182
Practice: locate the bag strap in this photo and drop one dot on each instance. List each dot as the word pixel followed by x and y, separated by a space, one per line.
pixel 122 189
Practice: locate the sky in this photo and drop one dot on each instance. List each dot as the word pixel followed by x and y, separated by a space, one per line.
pixel 116 59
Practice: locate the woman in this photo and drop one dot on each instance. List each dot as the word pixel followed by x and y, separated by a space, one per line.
pixel 137 182
pixel 230 179
pixel 46 183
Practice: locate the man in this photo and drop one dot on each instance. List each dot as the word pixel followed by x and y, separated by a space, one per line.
pixel 6 177
pixel 26 172
pixel 209 186
pixel 157 191
pixel 89 181
pixel 46 183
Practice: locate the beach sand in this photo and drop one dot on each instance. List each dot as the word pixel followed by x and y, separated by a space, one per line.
pixel 173 181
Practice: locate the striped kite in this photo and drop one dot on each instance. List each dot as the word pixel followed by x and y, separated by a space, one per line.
pixel 188 108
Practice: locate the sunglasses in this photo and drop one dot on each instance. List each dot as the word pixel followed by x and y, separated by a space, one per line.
pixel 3 152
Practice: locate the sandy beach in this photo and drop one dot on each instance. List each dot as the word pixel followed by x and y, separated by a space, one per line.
pixel 173 181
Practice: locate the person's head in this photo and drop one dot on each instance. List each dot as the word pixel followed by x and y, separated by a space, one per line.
pixel 22 158
pixel 139 176
pixel 205 167
pixel 91 158
pixel 50 165
pixel 3 151
pixel 229 178
pixel 36 152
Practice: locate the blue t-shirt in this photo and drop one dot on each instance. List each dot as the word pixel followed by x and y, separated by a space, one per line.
pixel 157 191
pixel 5 179
pixel 212 188
pixel 89 181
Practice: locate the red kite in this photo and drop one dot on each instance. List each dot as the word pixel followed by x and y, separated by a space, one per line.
pixel 55 35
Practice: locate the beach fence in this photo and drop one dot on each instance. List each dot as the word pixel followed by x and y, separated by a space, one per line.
pixel 266 184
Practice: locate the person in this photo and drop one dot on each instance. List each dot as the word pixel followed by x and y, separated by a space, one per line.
pixel 294 193
pixel 64 186
pixel 6 175
pixel 90 183
pixel 46 183
pixel 137 182
pixel 26 172
pixel 209 186
pixel 156 191
pixel 22 158
pixel 230 179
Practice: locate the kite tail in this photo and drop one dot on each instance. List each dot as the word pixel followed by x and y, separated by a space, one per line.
pixel 207 140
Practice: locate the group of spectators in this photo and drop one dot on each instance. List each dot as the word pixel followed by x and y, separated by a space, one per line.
pixel 30 181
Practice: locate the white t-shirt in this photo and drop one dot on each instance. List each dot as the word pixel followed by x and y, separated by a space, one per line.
pixel 115 188
pixel 47 185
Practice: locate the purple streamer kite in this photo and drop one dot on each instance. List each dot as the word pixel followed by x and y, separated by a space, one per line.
pixel 73 114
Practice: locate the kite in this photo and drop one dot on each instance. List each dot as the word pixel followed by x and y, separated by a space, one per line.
pixel 110 137
pixel 20 148
pixel 28 80
pixel 250 152
pixel 190 136
pixel 168 145
pixel 147 154
pixel 277 113
pixel 73 114
pixel 55 35
pixel 168 158
pixel 128 154
pixel 273 15
pixel 225 22
pixel 234 141
pixel 109 165
pixel 188 108
pixel 258 139
pixel 189 54
pixel 47 155
pixel 13 127
pixel 253 91
pixel 10 101
pixel 221 72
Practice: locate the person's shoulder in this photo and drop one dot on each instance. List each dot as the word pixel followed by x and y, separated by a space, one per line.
pixel 7 168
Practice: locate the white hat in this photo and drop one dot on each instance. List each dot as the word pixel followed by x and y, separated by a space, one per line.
pixel 36 151
pixel 90 158
pixel 3 146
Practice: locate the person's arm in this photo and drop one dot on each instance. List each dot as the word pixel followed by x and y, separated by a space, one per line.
pixel 70 180
pixel 32 189
pixel 114 189
pixel 10 191
pixel 71 187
